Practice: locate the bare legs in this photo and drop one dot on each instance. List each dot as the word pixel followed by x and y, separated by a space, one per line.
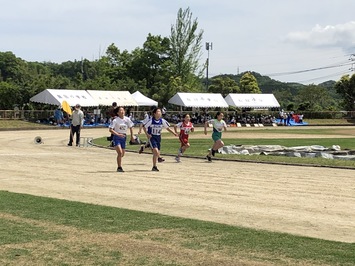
pixel 120 154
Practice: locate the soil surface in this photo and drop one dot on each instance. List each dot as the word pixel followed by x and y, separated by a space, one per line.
pixel 309 201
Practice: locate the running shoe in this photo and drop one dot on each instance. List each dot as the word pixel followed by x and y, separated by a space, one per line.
pixel 119 169
pixel 177 159
pixel 209 158
pixel 155 169
pixel 160 160
pixel 180 152
pixel 141 149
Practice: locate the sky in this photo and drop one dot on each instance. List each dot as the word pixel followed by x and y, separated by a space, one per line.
pixel 305 41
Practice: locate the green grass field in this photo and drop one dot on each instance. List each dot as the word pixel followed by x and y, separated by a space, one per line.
pixel 44 231
pixel 199 148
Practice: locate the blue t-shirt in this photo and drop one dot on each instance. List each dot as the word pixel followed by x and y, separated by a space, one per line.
pixel 154 127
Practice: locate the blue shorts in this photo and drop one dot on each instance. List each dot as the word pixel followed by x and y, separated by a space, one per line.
pixel 119 141
pixel 155 142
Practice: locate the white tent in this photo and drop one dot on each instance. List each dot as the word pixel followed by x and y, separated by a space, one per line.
pixel 198 99
pixel 106 98
pixel 72 97
pixel 143 100
pixel 252 100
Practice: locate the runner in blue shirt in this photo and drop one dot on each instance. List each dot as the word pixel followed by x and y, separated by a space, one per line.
pixel 153 131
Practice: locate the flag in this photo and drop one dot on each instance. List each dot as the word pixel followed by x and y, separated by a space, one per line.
pixel 66 107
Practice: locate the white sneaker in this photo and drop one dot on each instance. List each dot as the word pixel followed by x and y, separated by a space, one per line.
pixel 177 159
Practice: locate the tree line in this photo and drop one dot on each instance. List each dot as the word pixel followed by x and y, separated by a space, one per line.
pixel 160 68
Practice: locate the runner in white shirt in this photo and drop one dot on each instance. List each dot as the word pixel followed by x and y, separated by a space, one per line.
pixel 218 125
pixel 118 128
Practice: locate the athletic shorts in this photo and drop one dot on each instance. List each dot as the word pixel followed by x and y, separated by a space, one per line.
pixel 119 141
pixel 216 136
pixel 155 142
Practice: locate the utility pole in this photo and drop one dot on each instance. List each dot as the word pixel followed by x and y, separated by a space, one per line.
pixel 208 48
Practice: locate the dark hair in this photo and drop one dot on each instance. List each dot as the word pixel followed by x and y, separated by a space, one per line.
pixel 114 104
pixel 116 109
pixel 217 114
pixel 184 115
pixel 155 110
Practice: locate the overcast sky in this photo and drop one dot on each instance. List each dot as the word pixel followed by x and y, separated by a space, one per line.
pixel 275 37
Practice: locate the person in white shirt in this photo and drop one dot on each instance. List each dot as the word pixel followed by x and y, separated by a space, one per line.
pixel 76 125
pixel 218 125
pixel 118 128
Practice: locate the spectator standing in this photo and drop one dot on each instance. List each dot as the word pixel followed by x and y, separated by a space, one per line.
pixel 59 117
pixel 76 125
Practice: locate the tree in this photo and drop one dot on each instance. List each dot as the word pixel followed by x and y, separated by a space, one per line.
pixel 223 85
pixel 284 97
pixel 151 65
pixel 248 84
pixel 10 95
pixel 346 88
pixel 117 63
pixel 314 97
pixel 12 68
pixel 185 49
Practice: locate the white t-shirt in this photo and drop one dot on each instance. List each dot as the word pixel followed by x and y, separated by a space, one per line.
pixel 217 125
pixel 120 125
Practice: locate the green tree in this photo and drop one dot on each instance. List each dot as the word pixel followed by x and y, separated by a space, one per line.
pixel 346 88
pixel 314 97
pixel 185 49
pixel 10 95
pixel 284 97
pixel 249 84
pixel 223 85
pixel 151 67
pixel 117 63
pixel 12 68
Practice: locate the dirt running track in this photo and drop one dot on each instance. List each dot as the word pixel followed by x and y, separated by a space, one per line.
pixel 309 201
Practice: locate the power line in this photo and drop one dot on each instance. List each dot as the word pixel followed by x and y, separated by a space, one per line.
pixel 327 76
pixel 308 70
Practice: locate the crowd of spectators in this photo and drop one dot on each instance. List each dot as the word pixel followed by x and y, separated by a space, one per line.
pixel 103 117
pixel 230 118
pixel 285 118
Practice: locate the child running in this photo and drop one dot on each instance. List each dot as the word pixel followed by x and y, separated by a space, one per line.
pixel 153 131
pixel 118 128
pixel 147 117
pixel 218 125
pixel 185 128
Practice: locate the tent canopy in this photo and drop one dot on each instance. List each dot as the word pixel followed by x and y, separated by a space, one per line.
pixel 198 100
pixel 106 98
pixel 143 100
pixel 56 97
pixel 252 100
